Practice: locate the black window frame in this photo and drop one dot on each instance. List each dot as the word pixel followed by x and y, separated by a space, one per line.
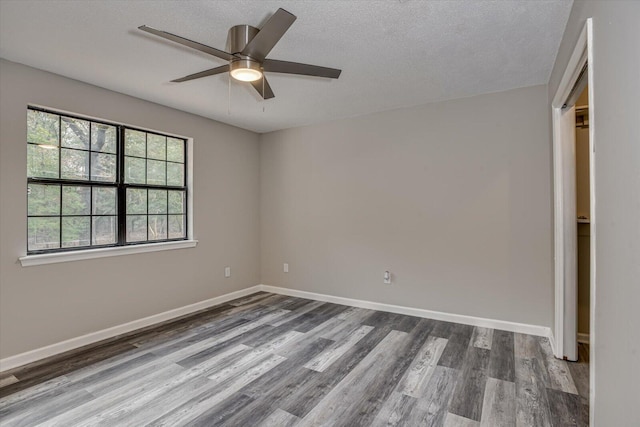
pixel 119 185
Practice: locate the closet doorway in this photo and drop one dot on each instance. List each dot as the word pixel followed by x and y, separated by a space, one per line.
pixel 573 131
pixel 583 215
pixel 575 219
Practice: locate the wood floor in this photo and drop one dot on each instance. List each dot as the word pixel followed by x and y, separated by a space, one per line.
pixel 271 360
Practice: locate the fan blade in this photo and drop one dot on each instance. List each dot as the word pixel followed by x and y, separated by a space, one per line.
pixel 189 43
pixel 258 85
pixel 287 67
pixel 260 46
pixel 205 73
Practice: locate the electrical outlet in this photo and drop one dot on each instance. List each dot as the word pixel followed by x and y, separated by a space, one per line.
pixel 285 267
pixel 227 272
pixel 387 277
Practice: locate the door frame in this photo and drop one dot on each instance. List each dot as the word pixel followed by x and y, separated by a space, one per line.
pixel 565 229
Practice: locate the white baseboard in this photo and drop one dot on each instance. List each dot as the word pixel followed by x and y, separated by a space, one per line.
pixel 522 328
pixel 583 338
pixel 73 343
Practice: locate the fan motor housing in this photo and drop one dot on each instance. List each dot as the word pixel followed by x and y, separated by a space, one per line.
pixel 239 36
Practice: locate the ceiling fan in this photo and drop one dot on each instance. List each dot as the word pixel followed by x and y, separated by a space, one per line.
pixel 247 50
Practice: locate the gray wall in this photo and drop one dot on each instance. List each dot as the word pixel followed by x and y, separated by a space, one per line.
pixel 616 67
pixel 454 198
pixel 46 304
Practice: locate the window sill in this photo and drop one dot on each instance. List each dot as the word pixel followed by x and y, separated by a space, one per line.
pixel 52 258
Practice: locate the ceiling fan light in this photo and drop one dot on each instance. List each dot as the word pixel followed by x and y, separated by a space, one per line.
pixel 245 70
pixel 246 74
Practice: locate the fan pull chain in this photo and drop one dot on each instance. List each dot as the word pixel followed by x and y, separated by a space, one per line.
pixel 229 102
pixel 263 92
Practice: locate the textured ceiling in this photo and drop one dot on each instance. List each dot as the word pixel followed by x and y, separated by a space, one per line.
pixel 393 53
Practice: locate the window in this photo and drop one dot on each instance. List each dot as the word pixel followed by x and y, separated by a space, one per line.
pixel 95 184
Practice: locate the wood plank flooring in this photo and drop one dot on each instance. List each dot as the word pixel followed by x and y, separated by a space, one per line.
pixel 272 360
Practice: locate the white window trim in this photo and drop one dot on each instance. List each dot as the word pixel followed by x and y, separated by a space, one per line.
pixel 92 253
pixel 56 257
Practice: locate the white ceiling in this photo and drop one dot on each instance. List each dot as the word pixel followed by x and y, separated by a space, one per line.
pixel 393 53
